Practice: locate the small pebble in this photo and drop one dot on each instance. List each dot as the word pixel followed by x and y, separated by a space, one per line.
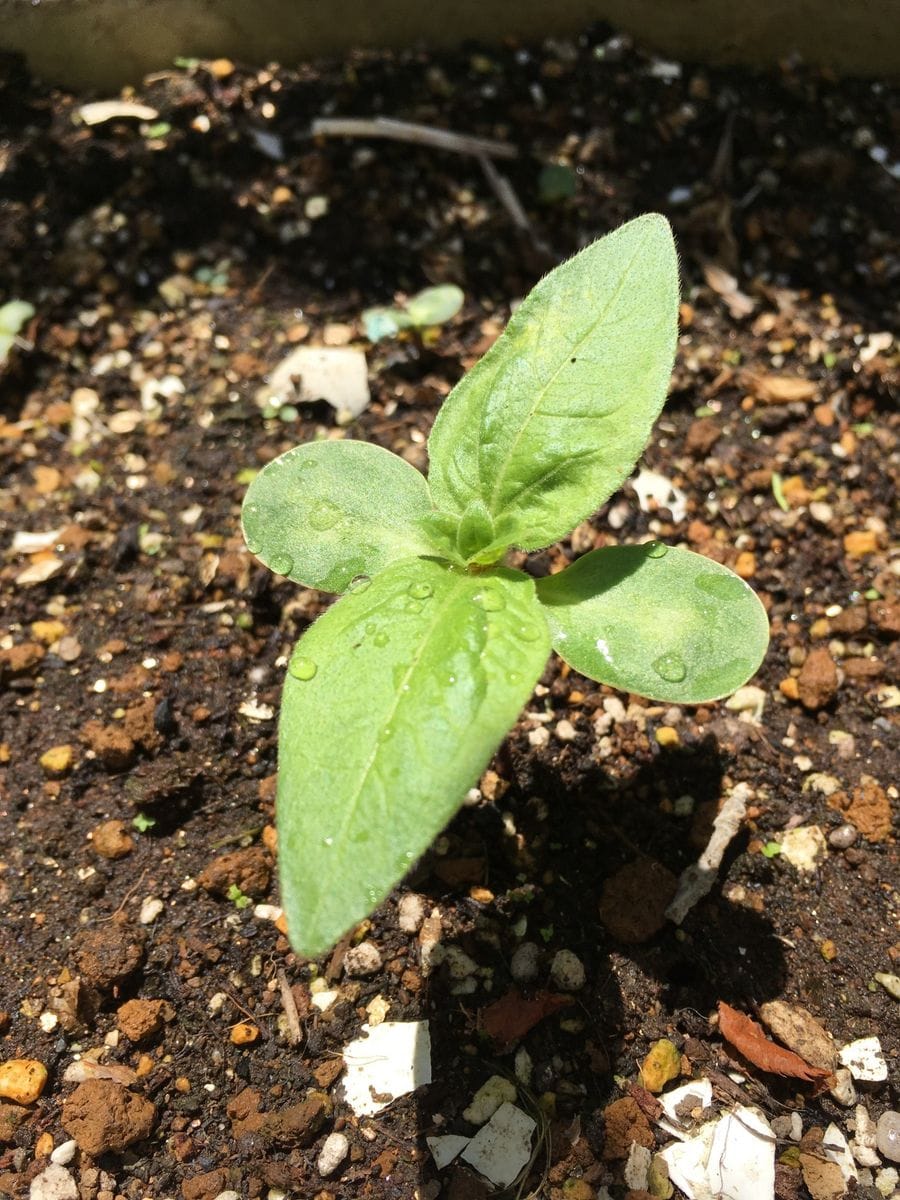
pixel 496 1091
pixel 64 1152
pixel 333 1152
pixel 567 971
pixel 53 1183
pixel 890 983
pixel 887 1135
pixel 523 965
pixel 364 959
pixel 150 910
pixel 57 761
pixel 22 1080
pixel 843 837
pixel 243 1034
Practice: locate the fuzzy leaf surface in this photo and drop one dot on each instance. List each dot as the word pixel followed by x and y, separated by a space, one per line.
pixel 326 512
pixel 551 421
pixel 394 702
pixel 657 620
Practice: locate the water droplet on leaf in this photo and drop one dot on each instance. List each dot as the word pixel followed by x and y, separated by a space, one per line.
pixel 722 587
pixel 371 628
pixel 490 599
pixel 282 564
pixel 657 550
pixel 421 590
pixel 413 606
pixel 529 633
pixel 302 668
pixel 670 667
pixel 254 546
pixel 381 639
pixel 358 583
pixel 325 515
pixel 328 841
pixel 385 735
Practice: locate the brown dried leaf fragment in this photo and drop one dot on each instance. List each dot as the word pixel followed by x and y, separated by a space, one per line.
pixel 749 1039
pixel 513 1015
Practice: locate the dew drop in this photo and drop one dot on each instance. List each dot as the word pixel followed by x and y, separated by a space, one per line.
pixel 381 639
pixel 722 587
pixel 529 633
pixel 385 735
pixel 657 550
pixel 451 679
pixel 328 841
pixel 420 590
pixel 490 599
pixel 282 564
pixel 358 583
pixel 325 515
pixel 301 668
pixel 513 676
pixel 670 667
pixel 254 546
pixel 413 606
pixel 371 628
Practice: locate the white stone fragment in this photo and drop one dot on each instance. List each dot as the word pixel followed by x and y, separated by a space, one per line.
pixel 411 912
pixel 229 1194
pixel 836 1150
pixel 733 1156
pixel 337 375
pixel 324 1000
pixel 650 486
pixel 53 1183
pixel 98 111
pixel 637 1167
pixel 864 1144
pixel 567 971
pixel 64 1152
pixel 698 1094
pixel 886 1182
pixel 445 1148
pixel 842 1089
pixel 30 543
pixel 502 1148
pixel 389 1060
pixel 803 847
pixel 865 1060
pixel 334 1150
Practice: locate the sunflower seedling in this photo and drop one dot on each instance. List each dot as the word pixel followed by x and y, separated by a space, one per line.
pixel 397 697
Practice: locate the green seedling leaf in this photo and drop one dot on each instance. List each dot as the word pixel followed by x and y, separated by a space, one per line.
pixel 657 620
pixel 13 316
pixel 327 512
pixel 551 421
pixel 380 323
pixel 394 702
pixel 435 305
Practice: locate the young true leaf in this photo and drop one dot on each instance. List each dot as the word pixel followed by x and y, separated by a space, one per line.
pixel 656 620
pixel 550 422
pixel 394 702
pixel 326 512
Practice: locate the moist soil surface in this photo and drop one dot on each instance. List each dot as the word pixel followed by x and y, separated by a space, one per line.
pixel 173 261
